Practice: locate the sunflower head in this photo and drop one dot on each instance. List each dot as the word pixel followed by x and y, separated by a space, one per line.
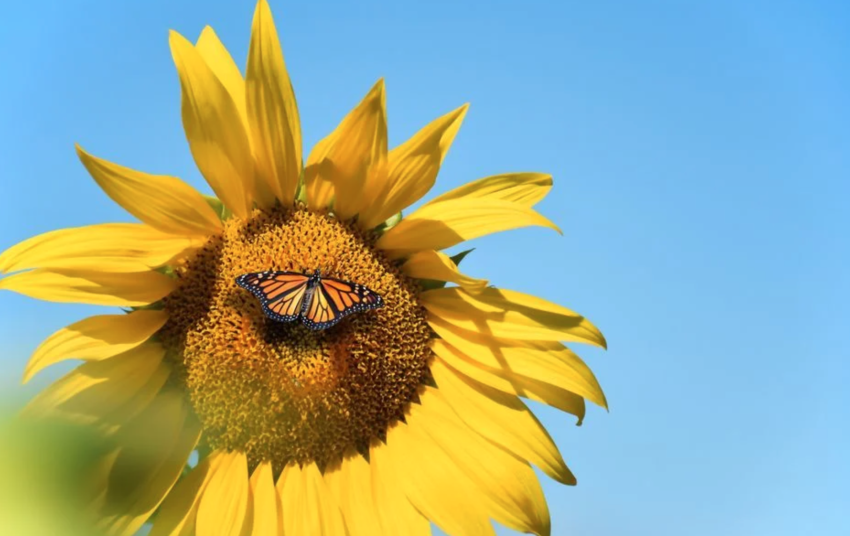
pixel 306 419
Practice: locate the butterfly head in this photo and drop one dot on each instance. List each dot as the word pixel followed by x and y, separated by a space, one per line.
pixel 317 274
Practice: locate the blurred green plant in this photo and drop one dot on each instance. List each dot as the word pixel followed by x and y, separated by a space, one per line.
pixel 45 466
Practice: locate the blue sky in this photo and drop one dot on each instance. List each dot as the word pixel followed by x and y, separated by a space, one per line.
pixel 700 153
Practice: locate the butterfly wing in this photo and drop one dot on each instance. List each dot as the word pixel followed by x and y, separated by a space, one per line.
pixel 280 293
pixel 335 299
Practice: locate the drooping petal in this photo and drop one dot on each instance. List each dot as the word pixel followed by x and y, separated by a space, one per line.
pixel 412 169
pixel 217 139
pixel 345 157
pixel 447 223
pixel 223 510
pixel 505 485
pixel 96 338
pixel 350 482
pixel 132 288
pixel 153 449
pixel 308 505
pixel 396 513
pixel 542 361
pixel 510 382
pixel 105 392
pixel 502 418
pixel 510 315
pixel 525 189
pixel 165 203
pixel 179 511
pixel 272 111
pixel 435 265
pixel 266 502
pixel 92 246
pixel 435 484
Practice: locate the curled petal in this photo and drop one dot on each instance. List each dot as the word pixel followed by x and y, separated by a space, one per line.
pixel 437 266
pixel 447 223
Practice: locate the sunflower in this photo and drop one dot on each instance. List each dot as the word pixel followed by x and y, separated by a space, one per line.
pixel 394 418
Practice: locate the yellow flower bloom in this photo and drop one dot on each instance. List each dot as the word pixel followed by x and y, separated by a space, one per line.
pixel 394 418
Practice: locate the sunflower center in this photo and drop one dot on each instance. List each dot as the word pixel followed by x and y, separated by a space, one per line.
pixel 280 391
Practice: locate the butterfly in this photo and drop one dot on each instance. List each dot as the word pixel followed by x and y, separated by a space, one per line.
pixel 320 302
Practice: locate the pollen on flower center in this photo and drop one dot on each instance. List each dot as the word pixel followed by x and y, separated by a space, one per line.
pixel 279 391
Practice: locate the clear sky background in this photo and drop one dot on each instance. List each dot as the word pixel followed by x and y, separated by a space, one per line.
pixel 700 151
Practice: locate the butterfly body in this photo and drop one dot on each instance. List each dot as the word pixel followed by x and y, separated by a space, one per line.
pixel 320 302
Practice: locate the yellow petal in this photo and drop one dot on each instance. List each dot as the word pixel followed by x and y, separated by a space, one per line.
pixel 435 484
pixel 507 381
pixel 153 450
pixel 412 169
pixel 272 110
pixel 214 129
pixel 442 225
pixel 541 361
pixel 350 482
pixel 90 247
pixel 510 315
pixel 179 511
pixel 320 190
pixel 395 512
pixel 265 501
pixel 224 506
pixel 165 203
pixel 434 265
pixel 104 392
pixel 221 63
pixel 308 505
pixel 96 338
pixel 502 418
pixel 359 141
pixel 505 485
pixel 525 189
pixel 137 288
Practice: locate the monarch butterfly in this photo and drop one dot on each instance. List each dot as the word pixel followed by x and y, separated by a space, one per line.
pixel 319 301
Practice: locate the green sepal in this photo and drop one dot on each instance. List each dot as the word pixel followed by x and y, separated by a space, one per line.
pixel 301 190
pixel 215 203
pixel 391 222
pixel 155 306
pixel 460 256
